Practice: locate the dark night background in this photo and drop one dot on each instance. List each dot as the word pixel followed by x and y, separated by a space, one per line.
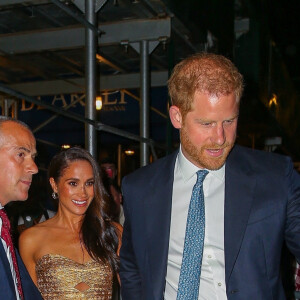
pixel 267 54
pixel 261 37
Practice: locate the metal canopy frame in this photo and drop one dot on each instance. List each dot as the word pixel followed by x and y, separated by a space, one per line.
pixel 74 37
pixel 98 125
pixel 76 85
pixel 141 34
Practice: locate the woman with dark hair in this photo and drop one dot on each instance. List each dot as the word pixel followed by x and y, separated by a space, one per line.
pixel 74 255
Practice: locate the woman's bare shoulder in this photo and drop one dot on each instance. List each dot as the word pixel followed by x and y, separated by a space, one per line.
pixel 119 228
pixel 36 240
pixel 32 234
pixel 119 233
pixel 37 232
pixel 29 242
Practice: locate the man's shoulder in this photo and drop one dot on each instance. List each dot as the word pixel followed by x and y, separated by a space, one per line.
pixel 153 169
pixel 258 158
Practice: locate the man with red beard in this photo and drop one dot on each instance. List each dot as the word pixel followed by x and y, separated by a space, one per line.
pixel 208 221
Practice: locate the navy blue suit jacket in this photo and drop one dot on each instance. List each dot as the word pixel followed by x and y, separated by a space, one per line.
pixel 7 289
pixel 262 209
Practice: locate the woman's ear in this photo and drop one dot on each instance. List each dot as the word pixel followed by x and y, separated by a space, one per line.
pixel 53 184
pixel 175 116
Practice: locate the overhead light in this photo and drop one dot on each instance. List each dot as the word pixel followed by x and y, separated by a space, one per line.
pixel 129 152
pixel 98 103
pixel 65 146
pixel 273 101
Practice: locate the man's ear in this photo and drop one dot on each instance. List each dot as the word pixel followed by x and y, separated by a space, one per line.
pixel 175 116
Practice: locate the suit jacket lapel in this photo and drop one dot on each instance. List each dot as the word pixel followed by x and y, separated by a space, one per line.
pixel 239 188
pixel 5 268
pixel 158 218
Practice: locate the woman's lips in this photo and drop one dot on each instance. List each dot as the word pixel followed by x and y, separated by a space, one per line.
pixel 80 202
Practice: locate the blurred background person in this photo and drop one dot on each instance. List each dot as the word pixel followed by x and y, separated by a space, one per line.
pixel 75 253
pixel 109 173
pixel 109 168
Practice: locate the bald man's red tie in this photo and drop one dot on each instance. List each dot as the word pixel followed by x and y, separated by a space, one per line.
pixel 6 236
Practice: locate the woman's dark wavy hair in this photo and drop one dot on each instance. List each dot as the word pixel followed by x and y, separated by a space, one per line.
pixel 99 235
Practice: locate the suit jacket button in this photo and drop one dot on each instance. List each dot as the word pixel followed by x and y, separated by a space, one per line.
pixel 234 291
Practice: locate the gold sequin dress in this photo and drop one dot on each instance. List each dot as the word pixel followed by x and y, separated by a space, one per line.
pixel 58 276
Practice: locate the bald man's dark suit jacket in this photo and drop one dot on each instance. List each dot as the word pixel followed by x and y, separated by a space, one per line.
pixel 262 209
pixel 7 289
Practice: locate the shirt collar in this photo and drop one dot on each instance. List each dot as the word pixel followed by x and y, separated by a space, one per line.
pixel 188 169
pixel 1 207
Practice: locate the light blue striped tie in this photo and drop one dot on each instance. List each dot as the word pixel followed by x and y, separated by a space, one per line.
pixel 189 279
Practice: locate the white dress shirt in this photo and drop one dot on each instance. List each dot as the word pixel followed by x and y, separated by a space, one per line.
pixel 212 281
pixel 9 258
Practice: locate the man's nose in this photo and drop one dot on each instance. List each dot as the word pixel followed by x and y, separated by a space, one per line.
pixel 32 167
pixel 219 137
